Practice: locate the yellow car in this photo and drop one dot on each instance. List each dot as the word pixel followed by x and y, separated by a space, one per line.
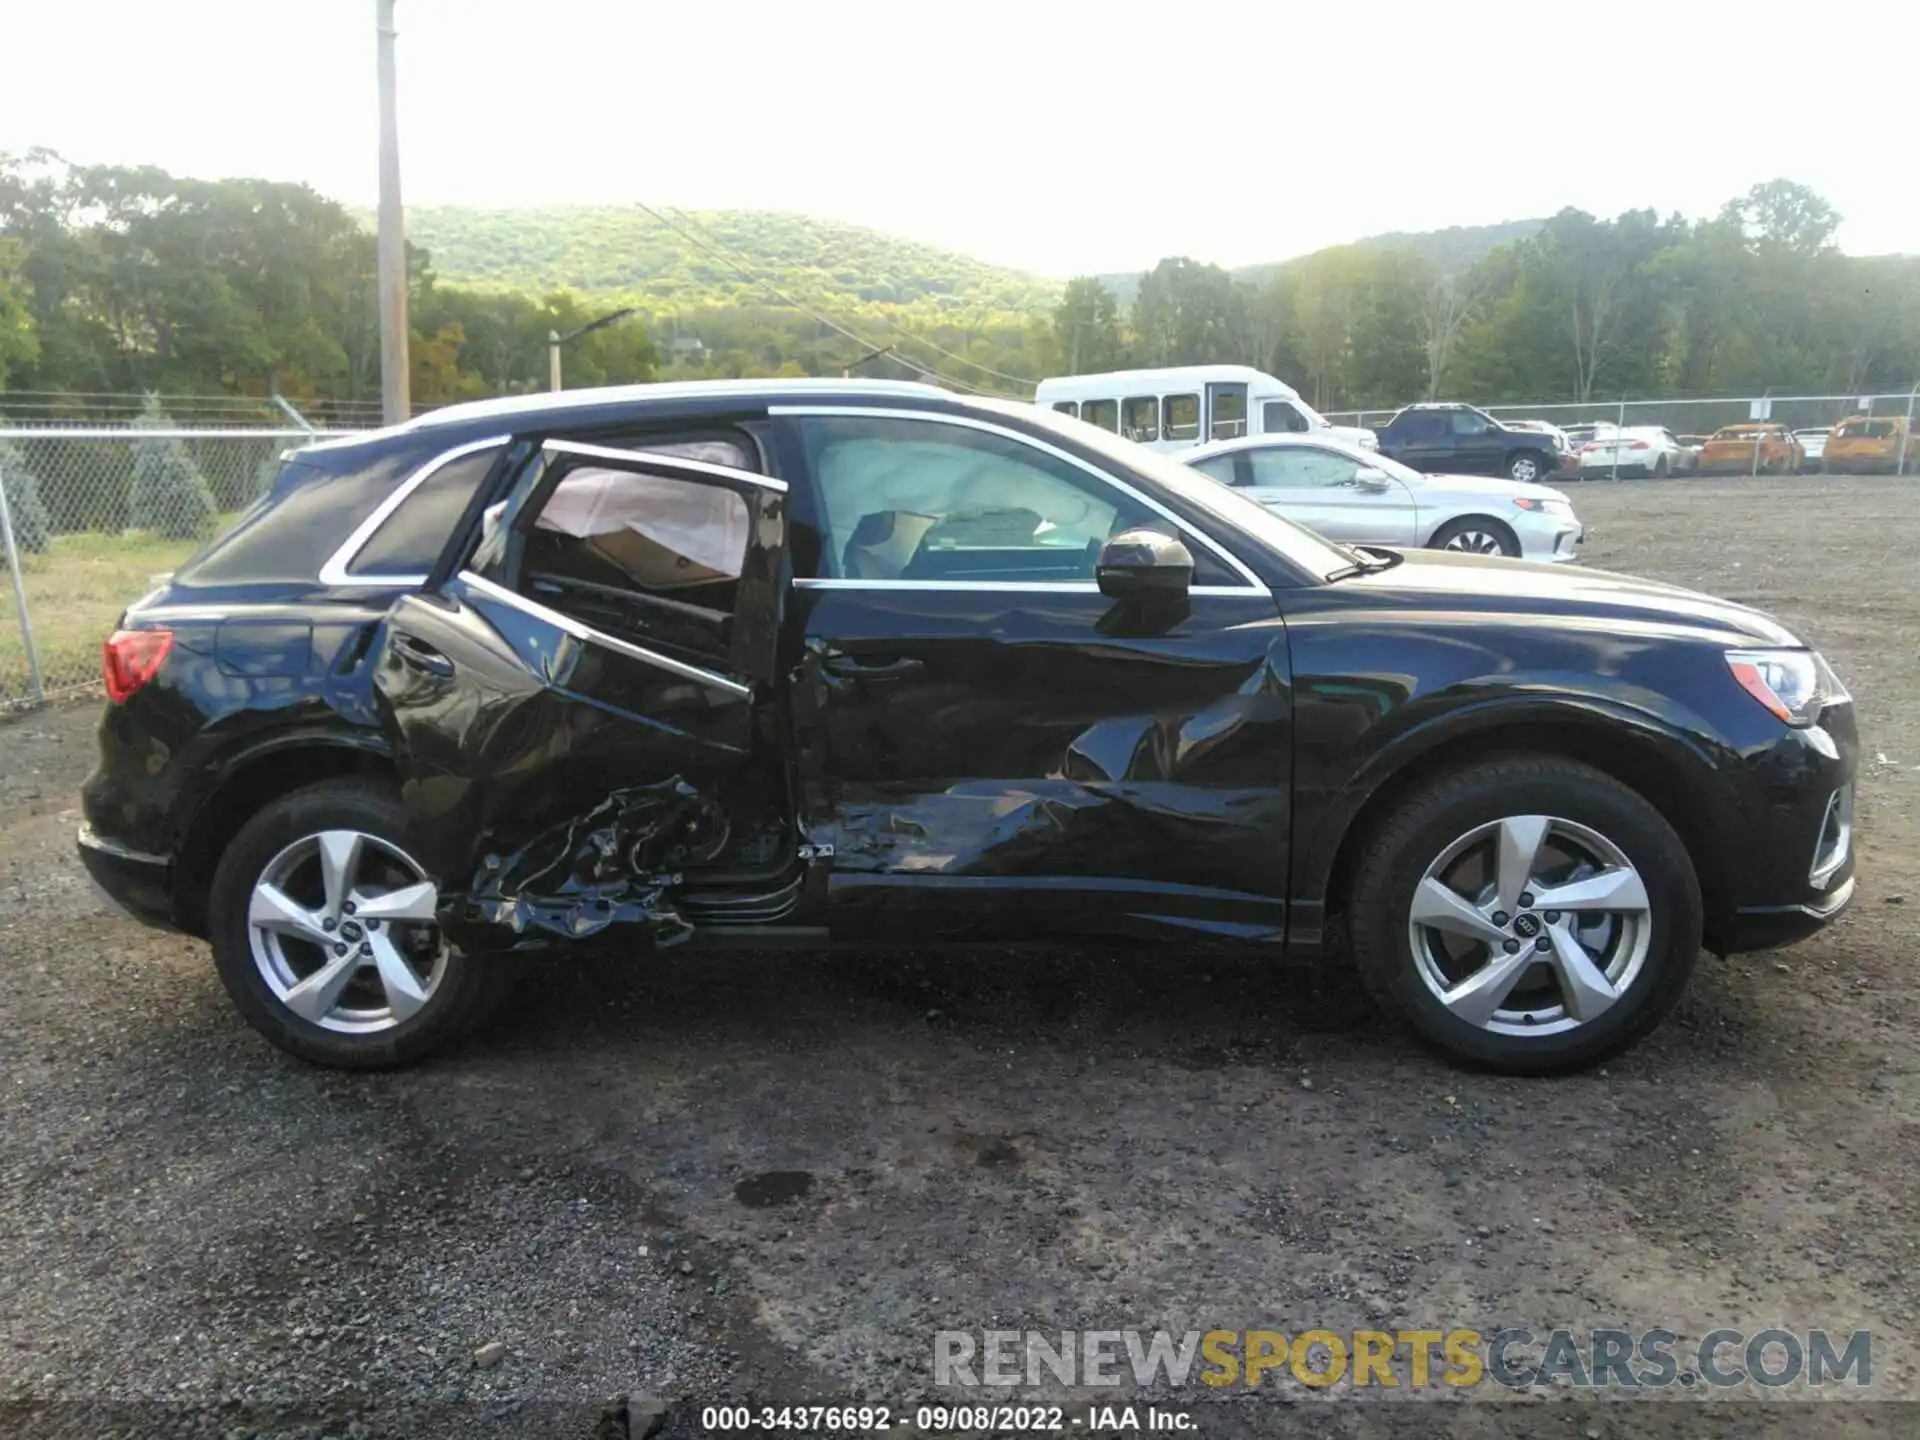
pixel 1731 450
pixel 1864 445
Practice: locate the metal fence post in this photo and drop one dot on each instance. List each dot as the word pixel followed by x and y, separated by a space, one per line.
pixel 1906 435
pixel 39 689
pixel 1619 434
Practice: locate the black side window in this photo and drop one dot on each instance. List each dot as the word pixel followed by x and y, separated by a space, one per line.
pixel 1104 413
pixel 1068 407
pixel 412 537
pixel 1140 418
pixel 1423 425
pixel 1281 417
pixel 1469 422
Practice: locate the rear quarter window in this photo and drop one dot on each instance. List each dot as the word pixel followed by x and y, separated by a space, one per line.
pixel 409 540
pixel 318 499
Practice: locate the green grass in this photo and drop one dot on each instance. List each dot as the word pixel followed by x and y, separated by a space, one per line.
pixel 76 589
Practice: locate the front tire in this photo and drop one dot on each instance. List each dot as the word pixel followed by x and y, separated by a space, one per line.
pixel 1527 914
pixel 323 933
pixel 1476 535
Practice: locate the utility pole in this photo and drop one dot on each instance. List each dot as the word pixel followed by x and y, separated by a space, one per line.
pixel 395 405
pixel 555 340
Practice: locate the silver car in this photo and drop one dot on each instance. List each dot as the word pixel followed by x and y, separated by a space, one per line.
pixel 1346 493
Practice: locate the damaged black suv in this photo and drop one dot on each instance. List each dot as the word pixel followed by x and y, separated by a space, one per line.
pixel 809 661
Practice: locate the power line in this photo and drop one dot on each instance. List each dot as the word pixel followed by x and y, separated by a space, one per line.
pixel 777 292
pixel 898 327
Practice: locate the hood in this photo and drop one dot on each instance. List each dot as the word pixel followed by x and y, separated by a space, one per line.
pixel 1492 486
pixel 1570 595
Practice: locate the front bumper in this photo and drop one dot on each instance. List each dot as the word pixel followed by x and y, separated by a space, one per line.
pixel 1765 927
pixel 1545 536
pixel 139 883
pixel 1794 856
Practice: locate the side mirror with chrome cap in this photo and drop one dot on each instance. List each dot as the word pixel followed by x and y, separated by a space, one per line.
pixel 1371 477
pixel 1142 563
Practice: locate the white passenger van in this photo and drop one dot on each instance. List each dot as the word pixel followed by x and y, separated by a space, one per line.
pixel 1189 405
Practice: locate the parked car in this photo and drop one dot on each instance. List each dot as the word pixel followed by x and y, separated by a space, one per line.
pixel 1863 444
pixel 1813 448
pixel 1459 439
pixel 1578 435
pixel 890 664
pixel 1638 450
pixel 1731 450
pixel 1346 493
pixel 1180 406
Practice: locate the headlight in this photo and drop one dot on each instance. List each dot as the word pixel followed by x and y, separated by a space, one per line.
pixel 1546 507
pixel 1795 685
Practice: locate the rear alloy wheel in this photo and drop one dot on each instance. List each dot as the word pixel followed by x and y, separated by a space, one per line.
pixel 1525 467
pixel 1529 915
pixel 1476 535
pixel 325 933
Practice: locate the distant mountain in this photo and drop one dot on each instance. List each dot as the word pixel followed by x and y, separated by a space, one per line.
pixel 1451 250
pixel 620 253
pixel 729 258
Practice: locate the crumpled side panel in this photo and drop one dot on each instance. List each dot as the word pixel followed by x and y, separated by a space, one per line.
pixel 613 865
pixel 1178 796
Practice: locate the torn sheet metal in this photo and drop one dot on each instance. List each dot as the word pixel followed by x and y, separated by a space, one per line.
pixel 617 864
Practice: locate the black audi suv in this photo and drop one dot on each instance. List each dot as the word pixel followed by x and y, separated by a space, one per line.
pixel 791 662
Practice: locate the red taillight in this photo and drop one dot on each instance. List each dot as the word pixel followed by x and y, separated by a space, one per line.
pixel 1639 445
pixel 130 658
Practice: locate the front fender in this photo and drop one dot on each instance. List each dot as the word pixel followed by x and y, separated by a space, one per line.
pixel 1619 728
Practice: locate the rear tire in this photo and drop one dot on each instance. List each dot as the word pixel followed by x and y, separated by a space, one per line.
pixel 1527 467
pixel 1660 468
pixel 269 900
pixel 1643 959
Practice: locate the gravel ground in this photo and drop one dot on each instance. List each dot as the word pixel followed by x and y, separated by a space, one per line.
pixel 197 1232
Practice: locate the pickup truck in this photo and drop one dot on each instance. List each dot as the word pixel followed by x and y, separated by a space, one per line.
pixel 1460 440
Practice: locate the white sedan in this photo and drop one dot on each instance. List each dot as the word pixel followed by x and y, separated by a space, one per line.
pixel 1346 493
pixel 1637 450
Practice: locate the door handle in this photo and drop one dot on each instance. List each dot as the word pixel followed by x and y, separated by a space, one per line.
pixel 883 672
pixel 420 655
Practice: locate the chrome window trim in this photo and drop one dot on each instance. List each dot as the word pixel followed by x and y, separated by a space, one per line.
pixel 334 571
pixel 1043 587
pixel 969 422
pixel 700 469
pixel 581 631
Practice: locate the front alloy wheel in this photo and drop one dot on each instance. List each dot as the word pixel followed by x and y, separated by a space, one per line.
pixel 1525 913
pixel 1529 925
pixel 1475 542
pixel 1524 468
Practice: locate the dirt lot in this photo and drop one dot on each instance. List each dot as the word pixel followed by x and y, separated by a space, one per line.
pixel 217 1236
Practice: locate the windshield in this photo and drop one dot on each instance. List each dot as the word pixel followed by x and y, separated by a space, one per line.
pixel 1302 547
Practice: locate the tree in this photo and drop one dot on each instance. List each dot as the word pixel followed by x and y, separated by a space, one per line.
pixel 169 496
pixel 26 508
pixel 1447 303
pixel 1187 313
pixel 19 335
pixel 1086 328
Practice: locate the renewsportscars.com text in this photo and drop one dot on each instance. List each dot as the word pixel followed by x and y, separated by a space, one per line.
pixel 1458 1358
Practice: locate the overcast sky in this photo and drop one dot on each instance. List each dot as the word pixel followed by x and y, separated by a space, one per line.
pixel 1057 135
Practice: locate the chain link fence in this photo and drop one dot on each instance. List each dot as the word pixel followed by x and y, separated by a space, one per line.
pixel 92 516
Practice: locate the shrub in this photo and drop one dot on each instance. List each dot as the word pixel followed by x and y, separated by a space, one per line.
pixel 170 497
pixel 32 527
